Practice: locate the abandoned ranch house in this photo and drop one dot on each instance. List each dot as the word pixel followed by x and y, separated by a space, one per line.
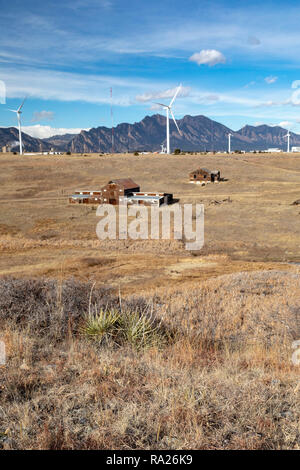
pixel 120 191
pixel 204 175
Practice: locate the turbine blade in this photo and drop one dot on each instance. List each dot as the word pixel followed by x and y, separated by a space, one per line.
pixel 19 109
pixel 175 122
pixel 161 104
pixel 12 110
pixel 174 97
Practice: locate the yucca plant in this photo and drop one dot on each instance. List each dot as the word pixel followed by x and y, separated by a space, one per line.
pixel 140 330
pixel 101 326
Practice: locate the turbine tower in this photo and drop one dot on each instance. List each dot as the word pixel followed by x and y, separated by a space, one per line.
pixel 19 112
pixel 112 123
pixel 288 141
pixel 168 109
pixel 229 142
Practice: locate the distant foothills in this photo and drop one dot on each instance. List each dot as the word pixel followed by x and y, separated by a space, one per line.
pixel 199 133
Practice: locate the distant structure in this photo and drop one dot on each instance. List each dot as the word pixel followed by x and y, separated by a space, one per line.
pixel 288 135
pixel 109 194
pixel 203 175
pixel 120 191
pixel 147 199
pixel 273 150
pixel 163 149
pixel 19 112
pixel 116 188
pixel 229 142
pixel 6 149
pixel 168 109
pixel 112 123
pixel 51 152
pixel 295 149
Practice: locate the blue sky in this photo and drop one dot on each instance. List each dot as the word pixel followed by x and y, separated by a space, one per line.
pixel 238 61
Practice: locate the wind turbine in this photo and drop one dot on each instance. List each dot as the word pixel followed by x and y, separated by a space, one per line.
pixel 168 109
pixel 229 142
pixel 163 148
pixel 288 141
pixel 19 112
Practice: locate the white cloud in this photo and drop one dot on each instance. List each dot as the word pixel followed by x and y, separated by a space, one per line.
pixel 287 124
pixel 42 116
pixel 294 100
pixel 270 79
pixel 66 86
pixel 296 83
pixel 208 57
pixel 43 132
pixel 284 124
pixel 162 94
pixel 78 38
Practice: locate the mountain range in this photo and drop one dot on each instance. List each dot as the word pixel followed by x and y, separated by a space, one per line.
pixel 198 133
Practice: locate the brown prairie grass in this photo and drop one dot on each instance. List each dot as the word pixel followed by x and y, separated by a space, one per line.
pixel 224 379
pixel 260 224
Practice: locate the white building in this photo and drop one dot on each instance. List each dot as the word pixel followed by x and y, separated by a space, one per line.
pixel 296 149
pixel 273 150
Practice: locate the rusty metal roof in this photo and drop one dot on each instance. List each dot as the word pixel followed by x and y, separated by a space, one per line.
pixel 126 183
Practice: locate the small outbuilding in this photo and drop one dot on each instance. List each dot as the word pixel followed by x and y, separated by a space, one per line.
pixel 203 175
pixel 85 197
pixel 147 199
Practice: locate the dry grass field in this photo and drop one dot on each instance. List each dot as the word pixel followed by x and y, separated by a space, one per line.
pixel 144 345
pixel 203 368
pixel 250 222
